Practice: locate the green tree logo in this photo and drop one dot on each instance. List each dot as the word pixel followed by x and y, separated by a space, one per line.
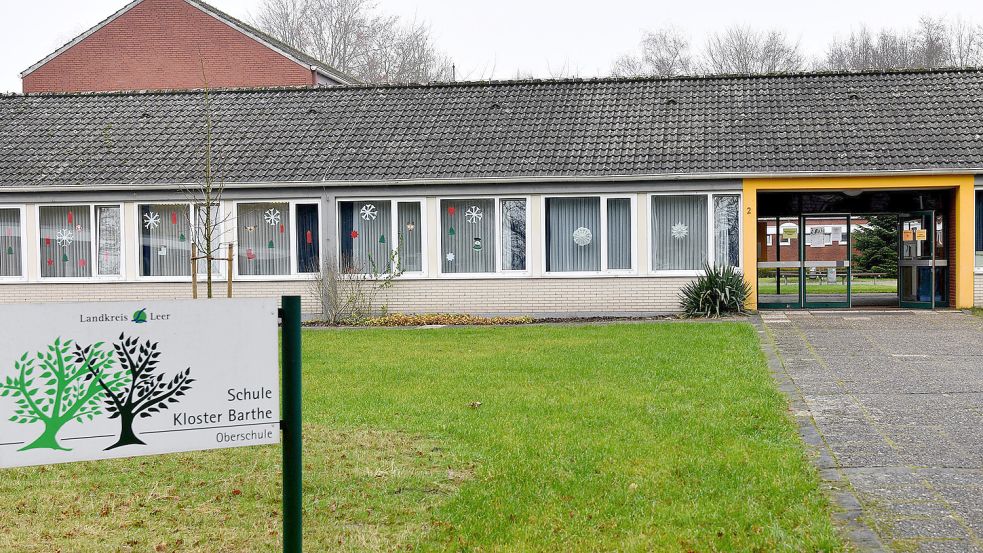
pixel 59 386
pixel 140 316
pixel 142 390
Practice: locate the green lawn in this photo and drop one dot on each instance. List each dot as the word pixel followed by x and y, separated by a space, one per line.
pixel 858 286
pixel 629 437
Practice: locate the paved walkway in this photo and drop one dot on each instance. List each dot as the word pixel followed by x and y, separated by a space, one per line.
pixel 893 400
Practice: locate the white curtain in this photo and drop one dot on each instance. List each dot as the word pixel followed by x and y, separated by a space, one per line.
pixel 409 236
pixel 66 241
pixel 108 240
pixel 513 234
pixel 619 233
pixel 10 243
pixel 573 234
pixel 467 242
pixel 264 238
pixel 165 240
pixel 366 244
pixel 679 232
pixel 726 231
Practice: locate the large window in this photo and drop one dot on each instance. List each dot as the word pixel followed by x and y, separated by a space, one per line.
pixel 80 241
pixel 589 234
pixel 372 237
pixel 979 228
pixel 679 232
pixel 483 235
pixel 278 238
pixel 165 240
pixel 11 243
pixel 689 230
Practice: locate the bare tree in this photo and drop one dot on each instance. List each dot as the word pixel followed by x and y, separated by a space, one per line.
pixel 664 53
pixel 743 50
pixel 934 43
pixel 354 37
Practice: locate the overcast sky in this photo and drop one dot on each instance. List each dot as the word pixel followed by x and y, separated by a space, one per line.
pixel 497 39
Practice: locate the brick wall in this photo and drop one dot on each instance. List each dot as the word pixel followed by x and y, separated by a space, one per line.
pixel 978 291
pixel 538 297
pixel 162 44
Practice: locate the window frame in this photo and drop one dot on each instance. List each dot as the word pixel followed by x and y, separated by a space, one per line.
pixel 977 220
pixel 711 248
pixel 393 226
pixel 292 231
pixel 633 224
pixel 24 268
pixel 192 212
pixel 93 246
pixel 498 272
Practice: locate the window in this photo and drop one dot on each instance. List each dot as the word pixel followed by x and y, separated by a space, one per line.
pixel 307 239
pixel 165 240
pixel 68 247
pixel 514 227
pixel 200 239
pixel 467 243
pixel 371 238
pixel 979 228
pixel 11 245
pixel 263 231
pixel 589 234
pixel 679 232
pixel 727 230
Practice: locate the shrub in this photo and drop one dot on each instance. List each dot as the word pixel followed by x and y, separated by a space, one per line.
pixel 397 319
pixel 719 291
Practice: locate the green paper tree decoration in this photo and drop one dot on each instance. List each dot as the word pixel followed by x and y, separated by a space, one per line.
pixel 10 250
pixel 270 245
pixel 382 238
pixel 64 258
pixel 181 238
pixel 451 232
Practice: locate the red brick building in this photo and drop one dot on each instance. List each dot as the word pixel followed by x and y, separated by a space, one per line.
pixel 174 44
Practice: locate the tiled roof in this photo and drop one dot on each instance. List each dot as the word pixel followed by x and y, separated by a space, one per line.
pixel 711 126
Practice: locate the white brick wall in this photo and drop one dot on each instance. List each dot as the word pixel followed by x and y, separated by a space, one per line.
pixel 527 296
pixel 978 291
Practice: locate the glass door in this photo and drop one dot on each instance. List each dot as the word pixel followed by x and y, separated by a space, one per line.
pixel 826 257
pixel 779 264
pixel 916 263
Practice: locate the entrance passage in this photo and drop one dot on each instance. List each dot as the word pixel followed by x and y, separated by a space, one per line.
pixel 886 257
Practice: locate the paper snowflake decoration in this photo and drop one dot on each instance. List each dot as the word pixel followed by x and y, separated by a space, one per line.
pixel 679 231
pixel 369 212
pixel 583 236
pixel 65 238
pixel 272 217
pixel 473 215
pixel 450 256
pixel 151 220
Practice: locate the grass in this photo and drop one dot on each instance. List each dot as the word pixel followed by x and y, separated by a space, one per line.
pixel 858 286
pixel 616 437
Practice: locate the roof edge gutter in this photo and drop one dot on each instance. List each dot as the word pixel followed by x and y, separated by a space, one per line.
pixel 492 180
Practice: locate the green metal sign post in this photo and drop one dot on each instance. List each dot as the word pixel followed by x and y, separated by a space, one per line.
pixel 293 480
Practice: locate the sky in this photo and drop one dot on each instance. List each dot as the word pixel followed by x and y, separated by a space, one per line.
pixel 543 38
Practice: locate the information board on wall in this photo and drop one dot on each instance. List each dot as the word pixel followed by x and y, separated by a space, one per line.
pixel 90 381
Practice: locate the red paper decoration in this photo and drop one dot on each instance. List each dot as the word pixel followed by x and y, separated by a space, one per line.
pixel 451 210
pixel 281 229
pixel 47 240
pixel 82 263
pixel 71 217
pixel 250 254
pixel 173 217
pixel 354 234
pixel 310 237
pixel 50 262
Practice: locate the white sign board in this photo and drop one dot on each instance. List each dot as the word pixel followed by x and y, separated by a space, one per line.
pixel 89 381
